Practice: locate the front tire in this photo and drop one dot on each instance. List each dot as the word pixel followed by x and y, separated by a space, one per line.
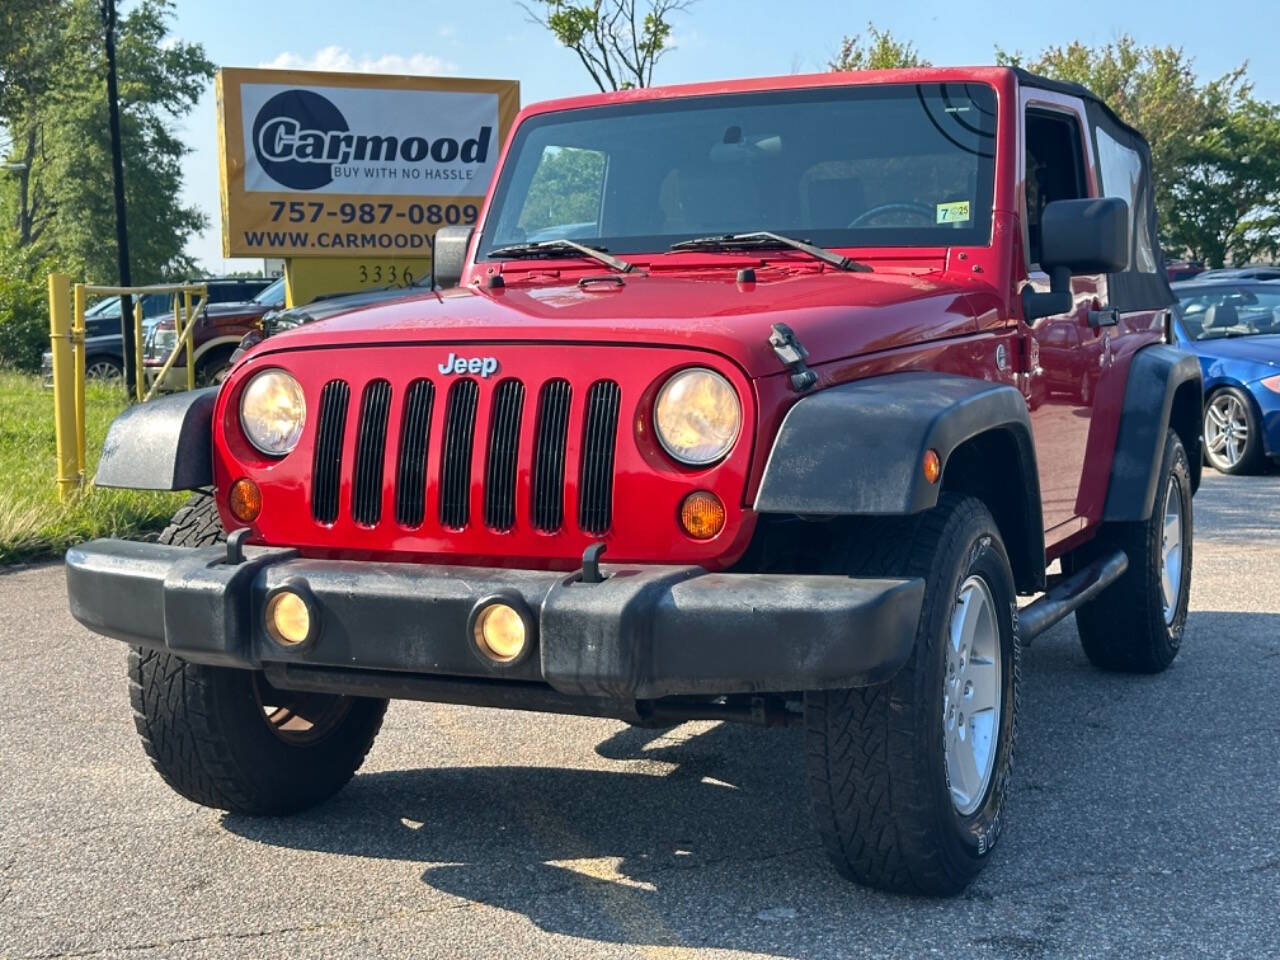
pixel 226 738
pixel 908 779
pixel 1136 624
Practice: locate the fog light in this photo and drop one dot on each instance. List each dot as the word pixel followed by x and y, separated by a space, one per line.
pixel 245 500
pixel 702 515
pixel 500 632
pixel 288 618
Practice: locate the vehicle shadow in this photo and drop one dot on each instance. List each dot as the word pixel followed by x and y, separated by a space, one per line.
pixel 701 836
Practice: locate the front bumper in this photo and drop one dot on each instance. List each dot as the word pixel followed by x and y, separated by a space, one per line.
pixel 642 633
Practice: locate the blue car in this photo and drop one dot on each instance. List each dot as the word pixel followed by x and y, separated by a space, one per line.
pixel 1234 328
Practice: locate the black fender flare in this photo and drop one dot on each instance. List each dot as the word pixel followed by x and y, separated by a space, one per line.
pixel 1163 389
pixel 858 449
pixel 166 444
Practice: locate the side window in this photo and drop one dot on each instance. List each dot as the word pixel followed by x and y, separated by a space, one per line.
pixel 1055 167
pixel 564 195
pixel 1120 169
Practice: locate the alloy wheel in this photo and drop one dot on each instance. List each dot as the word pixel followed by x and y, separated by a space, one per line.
pixel 1171 550
pixel 1226 431
pixel 971 694
pixel 299 718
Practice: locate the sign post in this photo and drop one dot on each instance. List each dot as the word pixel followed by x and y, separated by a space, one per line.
pixel 348 176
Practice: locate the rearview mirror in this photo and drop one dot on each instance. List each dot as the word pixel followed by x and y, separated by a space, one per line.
pixel 449 256
pixel 1077 236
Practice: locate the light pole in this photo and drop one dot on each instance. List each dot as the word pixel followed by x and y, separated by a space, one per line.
pixel 117 177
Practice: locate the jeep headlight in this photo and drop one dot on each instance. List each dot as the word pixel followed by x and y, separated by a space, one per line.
pixel 697 416
pixel 273 412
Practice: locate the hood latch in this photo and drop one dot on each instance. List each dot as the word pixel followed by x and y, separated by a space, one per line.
pixel 792 354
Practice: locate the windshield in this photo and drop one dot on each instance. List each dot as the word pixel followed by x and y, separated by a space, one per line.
pixel 1234 311
pixel 863 166
pixel 272 295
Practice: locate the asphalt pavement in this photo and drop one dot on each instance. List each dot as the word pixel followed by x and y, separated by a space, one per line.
pixel 1144 819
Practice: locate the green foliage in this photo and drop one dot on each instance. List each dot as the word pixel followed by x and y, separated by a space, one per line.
pixel 58 211
pixel 24 312
pixel 565 189
pixel 618 43
pixel 877 50
pixel 1226 196
pixel 1213 150
pixel 34 524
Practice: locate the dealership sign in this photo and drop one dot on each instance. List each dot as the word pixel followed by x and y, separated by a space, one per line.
pixel 354 165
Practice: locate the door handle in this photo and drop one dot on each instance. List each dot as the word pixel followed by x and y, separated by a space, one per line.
pixel 1104 318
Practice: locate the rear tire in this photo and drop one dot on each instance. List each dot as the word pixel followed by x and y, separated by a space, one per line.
pixel 879 759
pixel 1136 624
pixel 225 738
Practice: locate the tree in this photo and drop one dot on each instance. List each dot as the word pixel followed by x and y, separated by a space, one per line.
pixel 58 213
pixel 877 51
pixel 1210 204
pixel 1226 196
pixel 617 42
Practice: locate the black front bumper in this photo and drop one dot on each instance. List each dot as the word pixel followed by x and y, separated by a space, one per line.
pixel 642 633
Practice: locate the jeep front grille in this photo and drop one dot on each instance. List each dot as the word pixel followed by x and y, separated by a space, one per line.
pixel 548 464
pixel 411 470
pixel 507 451
pixel 326 469
pixel 596 483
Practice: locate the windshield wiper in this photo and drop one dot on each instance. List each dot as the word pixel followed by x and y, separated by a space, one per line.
pixel 546 248
pixel 765 238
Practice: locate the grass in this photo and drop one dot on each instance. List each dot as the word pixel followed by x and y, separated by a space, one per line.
pixel 34 524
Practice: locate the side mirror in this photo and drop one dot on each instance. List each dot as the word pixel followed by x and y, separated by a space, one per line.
pixel 449 256
pixel 1077 236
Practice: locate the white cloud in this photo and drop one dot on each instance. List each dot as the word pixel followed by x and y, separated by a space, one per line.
pixel 342 60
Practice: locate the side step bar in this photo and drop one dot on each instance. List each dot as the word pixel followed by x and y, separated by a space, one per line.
pixel 1069 593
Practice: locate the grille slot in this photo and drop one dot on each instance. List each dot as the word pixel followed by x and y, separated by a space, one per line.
pixel 595 487
pixel 548 467
pixel 411 471
pixel 455 469
pixel 504 445
pixel 326 469
pixel 371 444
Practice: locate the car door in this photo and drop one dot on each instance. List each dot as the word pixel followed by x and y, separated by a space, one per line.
pixel 1057 165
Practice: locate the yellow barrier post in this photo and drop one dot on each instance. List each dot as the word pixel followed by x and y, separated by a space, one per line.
pixel 77 345
pixel 64 414
pixel 188 335
pixel 138 379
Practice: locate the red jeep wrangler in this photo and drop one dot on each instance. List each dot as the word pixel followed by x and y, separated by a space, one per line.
pixel 738 412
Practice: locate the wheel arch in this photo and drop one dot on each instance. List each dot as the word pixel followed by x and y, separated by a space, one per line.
pixel 1011 492
pixel 857 449
pixel 1164 389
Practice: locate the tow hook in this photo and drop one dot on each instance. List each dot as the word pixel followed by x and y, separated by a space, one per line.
pixel 793 355
pixel 591 564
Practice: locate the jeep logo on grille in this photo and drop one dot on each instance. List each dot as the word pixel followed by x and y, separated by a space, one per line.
pixel 485 366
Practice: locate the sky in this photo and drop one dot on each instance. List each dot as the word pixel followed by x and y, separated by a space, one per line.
pixel 716 39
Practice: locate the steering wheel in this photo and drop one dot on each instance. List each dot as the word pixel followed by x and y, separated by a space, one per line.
pixel 918 209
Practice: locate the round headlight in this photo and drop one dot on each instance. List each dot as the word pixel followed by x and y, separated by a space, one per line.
pixel 697 416
pixel 273 412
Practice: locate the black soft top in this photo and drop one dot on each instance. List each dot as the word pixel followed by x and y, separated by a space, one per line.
pixel 1124 167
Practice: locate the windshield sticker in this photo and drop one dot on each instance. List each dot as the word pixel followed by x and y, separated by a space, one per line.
pixel 957 212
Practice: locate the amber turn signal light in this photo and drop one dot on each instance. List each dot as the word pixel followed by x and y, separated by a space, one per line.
pixel 245 500
pixel 932 466
pixel 702 515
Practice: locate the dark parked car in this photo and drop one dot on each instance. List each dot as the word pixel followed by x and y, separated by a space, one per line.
pixel 1234 328
pixel 217 334
pixel 104 346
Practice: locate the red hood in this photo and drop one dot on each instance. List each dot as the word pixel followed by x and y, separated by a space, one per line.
pixel 834 314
